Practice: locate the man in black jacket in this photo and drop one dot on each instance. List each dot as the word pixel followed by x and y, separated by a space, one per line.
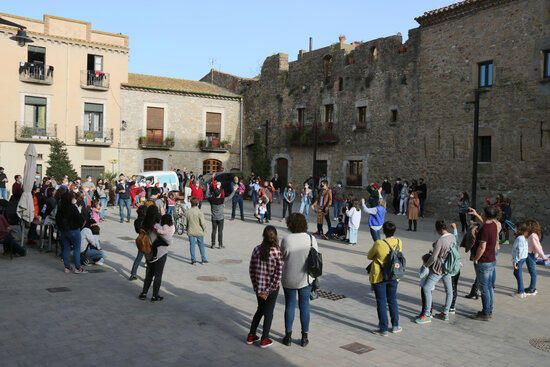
pixel 386 189
pixel 422 195
pixel 397 186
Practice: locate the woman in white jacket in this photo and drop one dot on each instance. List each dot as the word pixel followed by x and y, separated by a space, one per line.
pixel 354 214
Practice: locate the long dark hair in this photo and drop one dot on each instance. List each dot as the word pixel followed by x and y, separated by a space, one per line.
pixel 270 240
pixel 152 217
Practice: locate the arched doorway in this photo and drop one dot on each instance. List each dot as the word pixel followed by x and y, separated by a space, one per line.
pixel 211 165
pixel 153 164
pixel 281 168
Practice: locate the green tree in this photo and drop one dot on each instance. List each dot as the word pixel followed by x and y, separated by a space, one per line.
pixel 260 159
pixel 59 163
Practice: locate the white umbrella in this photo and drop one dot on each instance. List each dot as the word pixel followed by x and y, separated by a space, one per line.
pixel 26 205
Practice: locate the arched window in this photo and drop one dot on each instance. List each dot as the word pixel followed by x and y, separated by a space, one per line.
pixel 153 164
pixel 211 165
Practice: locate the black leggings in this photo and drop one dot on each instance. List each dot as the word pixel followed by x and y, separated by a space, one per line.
pixel 154 270
pixel 454 281
pixel 463 221
pixel 265 310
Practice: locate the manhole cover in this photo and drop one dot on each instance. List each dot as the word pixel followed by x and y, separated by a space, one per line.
pixel 96 271
pixel 541 344
pixel 357 348
pixel 126 238
pixel 230 261
pixel 330 295
pixel 58 289
pixel 211 278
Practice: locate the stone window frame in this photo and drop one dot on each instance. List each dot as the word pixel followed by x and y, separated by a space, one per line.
pixel 485 131
pixel 101 101
pixel 213 109
pixel 545 59
pixel 360 104
pixel 364 173
pixel 164 106
pixel 48 98
pixel 479 67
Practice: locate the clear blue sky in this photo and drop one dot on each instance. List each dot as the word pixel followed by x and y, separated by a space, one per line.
pixel 178 38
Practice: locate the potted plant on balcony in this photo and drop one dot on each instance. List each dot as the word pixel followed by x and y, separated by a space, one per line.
pixel 142 140
pixel 201 143
pixel 169 141
pixel 226 144
pixel 89 136
pixel 26 132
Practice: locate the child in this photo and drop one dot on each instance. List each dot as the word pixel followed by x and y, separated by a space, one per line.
pixel 96 209
pixel 535 250
pixel 354 215
pixel 423 273
pixel 165 231
pixel 519 256
pixel 262 210
pixel 90 246
pixel 339 232
pixel 171 203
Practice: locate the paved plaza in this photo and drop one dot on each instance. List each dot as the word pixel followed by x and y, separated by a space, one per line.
pixel 101 322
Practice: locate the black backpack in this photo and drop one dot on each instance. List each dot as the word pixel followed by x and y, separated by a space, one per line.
pixel 314 262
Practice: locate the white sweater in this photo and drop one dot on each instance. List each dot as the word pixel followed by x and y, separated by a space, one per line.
pixel 354 218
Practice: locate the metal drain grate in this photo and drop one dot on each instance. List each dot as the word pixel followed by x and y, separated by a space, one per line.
pixel 211 278
pixel 357 348
pixel 58 289
pixel 230 261
pixel 126 238
pixel 330 295
pixel 96 271
pixel 541 344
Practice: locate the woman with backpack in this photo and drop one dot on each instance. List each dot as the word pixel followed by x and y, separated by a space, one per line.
pixel 385 290
pixel 436 264
pixel 266 267
pixel 155 266
pixel 295 248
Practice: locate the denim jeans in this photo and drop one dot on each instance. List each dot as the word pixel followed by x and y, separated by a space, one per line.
pixel 71 241
pixel 353 235
pixel 484 276
pixel 170 210
pixel 137 261
pixel 494 277
pixel 386 298
pixel 237 201
pixel 532 268
pixel 128 205
pixel 103 202
pixel 375 233
pixel 304 209
pixel 94 255
pixel 3 193
pixel 403 205
pixel 337 208
pixel 194 240
pixel 518 273
pixel 303 305
pixel 428 287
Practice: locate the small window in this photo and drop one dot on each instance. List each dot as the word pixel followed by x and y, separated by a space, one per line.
pixel 484 149
pixel 340 84
pixel 362 117
pixel 301 116
pixel 213 129
pixel 350 58
pixel 93 118
pixel 374 53
pixel 155 125
pixel 152 164
pixel 35 112
pixel 486 74
pixel 546 64
pixel 393 115
pixel 36 54
pixel 329 113
pixel 95 63
pixel 355 173
pixel 211 165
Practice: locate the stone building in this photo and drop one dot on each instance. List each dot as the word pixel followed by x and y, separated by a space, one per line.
pixel 172 123
pixel 403 109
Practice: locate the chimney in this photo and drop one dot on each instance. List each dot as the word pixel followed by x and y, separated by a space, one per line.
pixel 342 39
pixel 310 44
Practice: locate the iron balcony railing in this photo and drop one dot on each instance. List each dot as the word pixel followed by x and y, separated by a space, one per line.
pixel 154 141
pixel 35 72
pixel 103 137
pixel 97 80
pixel 30 132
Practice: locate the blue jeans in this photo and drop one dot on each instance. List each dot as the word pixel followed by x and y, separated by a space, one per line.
pixel 103 202
pixel 124 203
pixel 337 208
pixel 375 234
pixel 494 277
pixel 94 255
pixel 484 276
pixel 518 273
pixel 170 210
pixel 71 241
pixel 192 241
pixel 386 298
pixel 137 261
pixel 304 207
pixel 428 287
pixel 3 193
pixel 303 305
pixel 532 268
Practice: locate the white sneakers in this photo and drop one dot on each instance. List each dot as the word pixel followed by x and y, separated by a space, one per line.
pixel 100 262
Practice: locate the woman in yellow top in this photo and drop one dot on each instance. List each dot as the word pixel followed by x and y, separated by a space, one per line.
pixel 384 290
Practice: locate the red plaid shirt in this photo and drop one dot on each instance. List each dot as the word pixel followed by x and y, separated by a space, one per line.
pixel 266 275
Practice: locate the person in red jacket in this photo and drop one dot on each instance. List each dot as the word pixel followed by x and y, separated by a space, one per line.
pixel 196 191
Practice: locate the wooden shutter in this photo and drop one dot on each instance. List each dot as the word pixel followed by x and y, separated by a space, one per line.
pixel 213 122
pixel 155 118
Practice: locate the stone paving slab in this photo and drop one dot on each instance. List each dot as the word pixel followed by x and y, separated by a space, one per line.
pixel 100 321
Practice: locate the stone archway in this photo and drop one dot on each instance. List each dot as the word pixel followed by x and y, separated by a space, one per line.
pixel 281 164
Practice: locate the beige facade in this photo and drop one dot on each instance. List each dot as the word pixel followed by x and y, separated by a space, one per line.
pixel 64 85
pixel 172 123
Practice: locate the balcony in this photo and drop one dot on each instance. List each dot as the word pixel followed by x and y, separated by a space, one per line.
pixel 96 138
pixel 304 135
pixel 28 132
pixel 35 72
pixel 214 145
pixel 94 80
pixel 163 142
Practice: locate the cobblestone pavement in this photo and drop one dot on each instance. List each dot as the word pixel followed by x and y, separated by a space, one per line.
pixel 100 321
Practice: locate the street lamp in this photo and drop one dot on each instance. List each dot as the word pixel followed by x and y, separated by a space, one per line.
pixel 21 37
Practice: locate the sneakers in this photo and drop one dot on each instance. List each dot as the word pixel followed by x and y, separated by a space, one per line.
pixel 423 319
pixel 80 271
pixel 520 295
pixel 481 316
pixel 442 316
pixel 396 329
pixel 100 262
pixel 452 311
pixel 142 296
pixel 157 299
pixel 68 270
pixel 380 332
pixel 251 339
pixel 531 292
pixel 266 343
pixel 132 277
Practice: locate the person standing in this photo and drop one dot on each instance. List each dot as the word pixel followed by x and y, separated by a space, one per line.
pixel 397 186
pixel 404 199
pixel 3 182
pixel 69 222
pixel 385 291
pixel 195 225
pixel 414 209
pixel 422 195
pixel 377 214
pixel 354 215
pixel 265 269
pixel 322 203
pixel 277 184
pixel 289 195
pixel 296 281
pixel 534 251
pixel 17 187
pixel 305 201
pixel 103 195
pixel 197 191
pixel 463 206
pixel 386 189
pixel 441 249
pixel 123 191
pixel 337 200
pixel 238 197
pixel 520 251
pixel 484 258
pixel 217 207
pixel 266 191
